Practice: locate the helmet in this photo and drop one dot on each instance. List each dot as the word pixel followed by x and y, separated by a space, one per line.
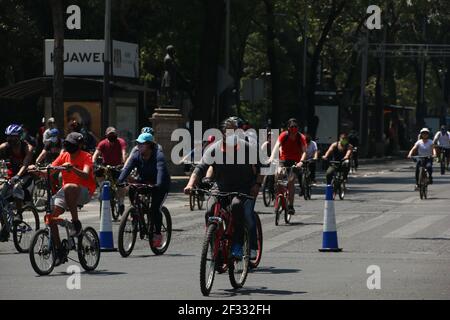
pixel 14 130
pixel 229 123
pixel 54 132
pixel 424 130
pixel 147 130
pixel 239 121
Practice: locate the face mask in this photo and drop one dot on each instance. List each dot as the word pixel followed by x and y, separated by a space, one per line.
pixel 231 140
pixel 54 139
pixel 112 138
pixel 344 142
pixel 71 148
pixel 293 130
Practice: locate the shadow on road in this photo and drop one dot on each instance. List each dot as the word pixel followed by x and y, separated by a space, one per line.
pixel 273 270
pixel 438 238
pixel 164 255
pixel 248 291
pixel 91 273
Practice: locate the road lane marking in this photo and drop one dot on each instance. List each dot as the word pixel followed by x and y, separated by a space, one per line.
pixel 414 226
pixel 368 225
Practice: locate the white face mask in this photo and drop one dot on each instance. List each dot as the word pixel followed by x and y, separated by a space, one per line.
pixel 231 140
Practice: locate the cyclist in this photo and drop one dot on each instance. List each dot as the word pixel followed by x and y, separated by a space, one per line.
pixel 311 153
pixel 442 139
pixel 423 148
pixel 292 145
pixel 52 148
pixel 152 169
pixel 50 125
pixel 20 154
pixel 232 177
pixel 340 151
pixel 354 141
pixel 78 186
pixel 266 149
pixel 113 151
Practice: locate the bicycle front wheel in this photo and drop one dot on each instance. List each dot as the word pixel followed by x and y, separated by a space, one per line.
pixel 40 195
pixel 89 249
pixel 128 232
pixel 259 237
pixel 238 268
pixel 42 257
pixel 25 224
pixel 166 233
pixel 208 261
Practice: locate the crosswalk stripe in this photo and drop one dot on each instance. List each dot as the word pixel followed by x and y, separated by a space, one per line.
pixel 414 226
pixel 368 225
pixel 287 237
pixel 445 235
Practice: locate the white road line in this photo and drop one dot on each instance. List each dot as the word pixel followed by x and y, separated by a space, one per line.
pixel 446 234
pixel 414 226
pixel 287 237
pixel 368 225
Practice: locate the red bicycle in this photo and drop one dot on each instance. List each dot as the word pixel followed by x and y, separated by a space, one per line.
pixel 282 195
pixel 216 250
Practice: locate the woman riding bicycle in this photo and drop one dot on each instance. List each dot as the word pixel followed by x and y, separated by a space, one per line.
pixel 424 148
pixel 152 169
pixel 341 151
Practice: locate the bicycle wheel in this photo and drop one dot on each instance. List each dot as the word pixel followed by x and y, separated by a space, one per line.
pixel 422 178
pixel 200 200
pixel 40 195
pixel 166 232
pixel 26 222
pixel 238 268
pixel 89 249
pixel 42 257
pixel 267 193
pixel 114 205
pixel 341 190
pixel 128 232
pixel 442 161
pixel 191 202
pixel 278 209
pixel 208 261
pixel 287 216
pixel 259 237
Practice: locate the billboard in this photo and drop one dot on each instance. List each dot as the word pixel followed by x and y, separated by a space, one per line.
pixel 86 113
pixel 85 58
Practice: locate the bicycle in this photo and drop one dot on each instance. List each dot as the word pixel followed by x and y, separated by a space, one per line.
pixel 354 160
pixel 282 195
pixel 217 242
pixel 306 179
pixel 268 190
pixel 108 174
pixel 423 176
pixel 138 219
pixel 21 223
pixel 254 263
pixel 338 182
pixel 43 252
pixel 442 157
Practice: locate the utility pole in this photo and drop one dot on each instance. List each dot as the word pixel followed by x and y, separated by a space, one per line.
pixel 363 123
pixel 227 37
pixel 305 50
pixel 107 66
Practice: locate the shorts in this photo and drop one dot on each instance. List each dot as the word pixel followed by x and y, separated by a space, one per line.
pixel 59 198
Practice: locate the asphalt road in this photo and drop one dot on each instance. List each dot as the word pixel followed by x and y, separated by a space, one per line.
pixel 382 222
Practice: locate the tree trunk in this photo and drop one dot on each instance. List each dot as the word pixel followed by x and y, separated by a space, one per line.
pixel 273 64
pixel 58 63
pixel 205 90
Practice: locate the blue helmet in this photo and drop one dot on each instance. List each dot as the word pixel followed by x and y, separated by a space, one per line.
pixel 14 130
pixel 147 130
pixel 54 132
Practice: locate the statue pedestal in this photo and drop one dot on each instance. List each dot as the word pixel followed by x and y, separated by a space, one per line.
pixel 164 121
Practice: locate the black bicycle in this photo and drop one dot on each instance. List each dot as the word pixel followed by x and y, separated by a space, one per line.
pixel 108 172
pixel 20 223
pixel 42 250
pixel 138 219
pixel 307 179
pixel 354 160
pixel 424 179
pixel 338 182
pixel 442 157
pixel 268 190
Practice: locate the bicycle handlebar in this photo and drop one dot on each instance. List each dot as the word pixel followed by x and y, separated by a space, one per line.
pixel 136 185
pixel 108 167
pixel 223 194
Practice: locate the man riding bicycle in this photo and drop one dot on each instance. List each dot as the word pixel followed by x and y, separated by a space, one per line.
pixel 292 145
pixel 113 151
pixel 78 186
pixel 442 139
pixel 424 148
pixel 311 153
pixel 340 151
pixel 152 169
pixel 232 176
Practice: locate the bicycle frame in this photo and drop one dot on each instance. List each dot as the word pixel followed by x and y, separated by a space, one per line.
pixel 224 232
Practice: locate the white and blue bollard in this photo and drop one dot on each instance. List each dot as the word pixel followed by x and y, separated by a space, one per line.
pixel 106 234
pixel 330 241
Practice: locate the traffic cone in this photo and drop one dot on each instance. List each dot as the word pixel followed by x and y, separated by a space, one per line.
pixel 106 234
pixel 330 241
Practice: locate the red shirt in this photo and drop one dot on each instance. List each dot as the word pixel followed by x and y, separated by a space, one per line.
pixel 112 151
pixel 79 161
pixel 291 149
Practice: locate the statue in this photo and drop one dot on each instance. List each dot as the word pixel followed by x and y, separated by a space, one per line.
pixel 169 81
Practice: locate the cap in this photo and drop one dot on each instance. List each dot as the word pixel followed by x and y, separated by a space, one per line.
pixel 50 120
pixel 111 130
pixel 424 130
pixel 74 138
pixel 145 138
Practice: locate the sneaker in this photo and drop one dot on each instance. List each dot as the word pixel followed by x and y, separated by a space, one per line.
pixel 60 258
pixel 77 228
pixel 416 187
pixel 157 240
pixel 253 254
pixel 291 210
pixel 237 251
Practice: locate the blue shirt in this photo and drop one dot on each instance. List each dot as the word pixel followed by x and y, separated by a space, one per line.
pixel 153 171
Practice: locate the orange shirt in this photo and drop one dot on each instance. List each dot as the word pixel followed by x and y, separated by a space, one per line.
pixel 79 161
pixel 291 149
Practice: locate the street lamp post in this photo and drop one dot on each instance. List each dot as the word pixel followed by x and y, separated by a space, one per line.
pixel 107 66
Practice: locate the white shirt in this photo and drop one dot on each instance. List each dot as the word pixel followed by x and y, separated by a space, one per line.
pixel 424 149
pixel 311 150
pixel 442 140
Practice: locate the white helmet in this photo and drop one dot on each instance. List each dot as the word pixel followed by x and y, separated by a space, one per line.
pixel 424 130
